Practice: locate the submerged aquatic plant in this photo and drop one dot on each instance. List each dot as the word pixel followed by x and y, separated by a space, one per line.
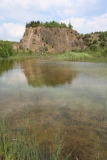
pixel 22 146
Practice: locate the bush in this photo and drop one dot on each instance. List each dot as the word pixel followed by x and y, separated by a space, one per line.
pixel 46 48
pixel 6 49
pixel 95 41
pixel 93 47
pixel 102 44
pixel 30 52
pixel 104 53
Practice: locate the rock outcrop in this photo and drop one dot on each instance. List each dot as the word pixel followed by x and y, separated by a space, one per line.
pixel 53 40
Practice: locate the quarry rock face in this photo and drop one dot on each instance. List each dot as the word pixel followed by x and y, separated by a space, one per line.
pixel 53 40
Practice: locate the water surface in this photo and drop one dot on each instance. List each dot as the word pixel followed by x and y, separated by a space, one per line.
pixel 52 95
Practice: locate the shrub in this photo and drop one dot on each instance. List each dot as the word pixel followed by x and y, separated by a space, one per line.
pixel 6 49
pixel 46 48
pixel 93 47
pixel 95 41
pixel 102 44
pixel 104 53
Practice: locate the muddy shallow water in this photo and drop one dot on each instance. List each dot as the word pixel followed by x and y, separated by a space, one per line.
pixel 47 96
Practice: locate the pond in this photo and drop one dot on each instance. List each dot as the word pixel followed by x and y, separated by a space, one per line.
pixel 45 97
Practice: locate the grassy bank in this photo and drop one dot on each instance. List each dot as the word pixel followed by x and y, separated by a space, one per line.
pixel 67 56
pixel 72 56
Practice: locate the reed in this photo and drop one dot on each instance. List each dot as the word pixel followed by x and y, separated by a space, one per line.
pixel 73 56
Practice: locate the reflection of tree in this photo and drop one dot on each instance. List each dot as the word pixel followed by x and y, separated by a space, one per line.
pixel 49 74
pixel 6 65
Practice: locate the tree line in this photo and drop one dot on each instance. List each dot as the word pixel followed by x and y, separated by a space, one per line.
pixel 6 49
pixel 48 24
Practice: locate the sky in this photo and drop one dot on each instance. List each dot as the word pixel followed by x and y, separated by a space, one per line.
pixel 86 16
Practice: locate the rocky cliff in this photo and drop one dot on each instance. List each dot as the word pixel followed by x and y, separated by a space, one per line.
pixel 53 40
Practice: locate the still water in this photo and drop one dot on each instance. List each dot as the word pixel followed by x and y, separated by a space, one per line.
pixel 51 95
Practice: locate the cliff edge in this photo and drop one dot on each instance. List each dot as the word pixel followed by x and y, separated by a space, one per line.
pixel 53 40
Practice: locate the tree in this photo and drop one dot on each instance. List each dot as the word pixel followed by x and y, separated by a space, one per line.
pixel 6 49
pixel 46 24
pixel 70 26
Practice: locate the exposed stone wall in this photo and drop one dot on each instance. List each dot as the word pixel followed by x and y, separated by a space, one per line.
pixel 53 40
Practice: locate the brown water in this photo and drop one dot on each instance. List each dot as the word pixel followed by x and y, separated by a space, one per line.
pixel 51 95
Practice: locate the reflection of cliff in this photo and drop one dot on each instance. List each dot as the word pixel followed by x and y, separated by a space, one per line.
pixel 49 74
pixel 5 66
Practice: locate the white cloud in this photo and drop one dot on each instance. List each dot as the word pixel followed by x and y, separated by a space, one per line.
pixel 11 31
pixel 81 13
pixel 86 25
pixel 45 4
pixel 98 23
pixel 21 10
pixel 13 77
pixel 9 4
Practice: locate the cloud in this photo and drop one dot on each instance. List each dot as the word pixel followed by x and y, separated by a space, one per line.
pixel 14 77
pixel 11 31
pixel 27 10
pixel 81 13
pixel 7 4
pixel 98 23
pixel 87 25
pixel 45 5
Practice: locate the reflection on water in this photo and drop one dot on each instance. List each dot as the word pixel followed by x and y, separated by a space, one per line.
pixel 47 95
pixel 47 73
pixel 5 66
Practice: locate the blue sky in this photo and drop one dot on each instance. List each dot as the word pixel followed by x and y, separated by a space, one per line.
pixel 85 15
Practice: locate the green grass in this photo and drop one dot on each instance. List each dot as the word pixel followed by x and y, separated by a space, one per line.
pixel 67 56
pixel 73 56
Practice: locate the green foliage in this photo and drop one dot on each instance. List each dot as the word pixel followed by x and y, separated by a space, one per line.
pixel 97 54
pixel 6 65
pixel 93 47
pixel 73 56
pixel 102 36
pixel 33 24
pixel 87 36
pixel 47 24
pixel 30 52
pixel 95 41
pixel 46 48
pixel 6 49
pixel 102 44
pixel 70 26
pixel 86 39
pixel 104 52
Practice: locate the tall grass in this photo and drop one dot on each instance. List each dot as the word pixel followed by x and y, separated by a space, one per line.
pixel 73 56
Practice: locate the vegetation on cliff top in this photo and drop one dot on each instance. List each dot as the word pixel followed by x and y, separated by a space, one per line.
pixel 48 24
